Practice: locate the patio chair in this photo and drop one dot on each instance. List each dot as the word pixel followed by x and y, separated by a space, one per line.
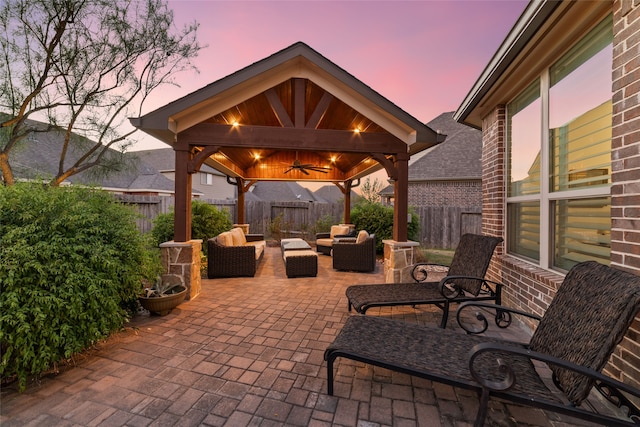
pixel 588 317
pixel 324 241
pixel 355 254
pixel 464 281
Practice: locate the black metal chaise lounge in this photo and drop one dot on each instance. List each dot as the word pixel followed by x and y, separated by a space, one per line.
pixel 589 316
pixel 464 282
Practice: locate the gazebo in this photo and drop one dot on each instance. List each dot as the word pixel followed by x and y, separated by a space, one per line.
pixel 294 115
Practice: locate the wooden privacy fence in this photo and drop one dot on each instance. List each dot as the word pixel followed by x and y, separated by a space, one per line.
pixel 440 226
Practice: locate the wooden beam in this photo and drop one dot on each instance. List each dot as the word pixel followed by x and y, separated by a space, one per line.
pixel 278 108
pixel 299 102
pixel 205 134
pixel 388 165
pixel 320 111
pixel 196 162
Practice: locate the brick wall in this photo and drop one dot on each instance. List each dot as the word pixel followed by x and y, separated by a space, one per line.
pixel 625 150
pixel 625 164
pixel 493 178
pixel 445 193
pixel 531 288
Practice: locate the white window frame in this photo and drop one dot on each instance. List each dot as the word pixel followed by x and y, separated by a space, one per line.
pixel 545 197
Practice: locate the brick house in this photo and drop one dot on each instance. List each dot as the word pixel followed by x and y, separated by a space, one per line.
pixel 445 184
pixel 449 174
pixel 559 107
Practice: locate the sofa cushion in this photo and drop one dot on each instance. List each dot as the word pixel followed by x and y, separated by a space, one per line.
pixel 260 246
pixel 324 242
pixel 225 239
pixel 362 236
pixel 337 230
pixel 238 236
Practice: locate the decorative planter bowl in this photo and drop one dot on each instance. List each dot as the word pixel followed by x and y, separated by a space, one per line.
pixel 164 304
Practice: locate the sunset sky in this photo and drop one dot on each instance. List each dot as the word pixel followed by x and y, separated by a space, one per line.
pixel 424 56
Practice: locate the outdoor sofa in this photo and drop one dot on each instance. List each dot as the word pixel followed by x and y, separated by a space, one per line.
pixel 234 254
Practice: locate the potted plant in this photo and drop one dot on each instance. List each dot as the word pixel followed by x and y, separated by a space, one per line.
pixel 166 294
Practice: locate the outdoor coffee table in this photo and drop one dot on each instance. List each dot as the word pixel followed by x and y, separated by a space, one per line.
pixel 293 244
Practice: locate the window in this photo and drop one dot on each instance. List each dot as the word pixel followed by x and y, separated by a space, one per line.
pixel 206 178
pixel 559 158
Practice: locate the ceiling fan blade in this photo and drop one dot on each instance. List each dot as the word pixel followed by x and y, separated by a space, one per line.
pixel 320 169
pixel 288 170
pixel 304 171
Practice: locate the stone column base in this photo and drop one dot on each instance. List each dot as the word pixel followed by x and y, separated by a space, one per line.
pixel 399 258
pixel 182 259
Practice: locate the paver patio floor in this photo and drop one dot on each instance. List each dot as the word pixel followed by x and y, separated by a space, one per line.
pixel 249 352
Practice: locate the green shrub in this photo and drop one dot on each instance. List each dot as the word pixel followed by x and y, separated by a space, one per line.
pixel 71 261
pixel 378 219
pixel 323 224
pixel 207 221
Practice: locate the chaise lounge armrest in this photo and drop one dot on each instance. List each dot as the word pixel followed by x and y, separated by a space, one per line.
pixel 449 288
pixel 254 237
pixel 502 317
pixel 504 355
pixel 421 270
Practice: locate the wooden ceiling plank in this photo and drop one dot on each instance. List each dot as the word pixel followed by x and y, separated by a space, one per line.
pixel 278 108
pixel 320 111
pixel 205 134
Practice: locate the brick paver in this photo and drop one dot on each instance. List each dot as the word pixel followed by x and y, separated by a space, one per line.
pixel 248 351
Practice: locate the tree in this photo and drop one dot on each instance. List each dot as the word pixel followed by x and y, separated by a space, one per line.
pixel 82 67
pixel 371 191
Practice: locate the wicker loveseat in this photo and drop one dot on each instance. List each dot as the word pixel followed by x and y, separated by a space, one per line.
pixel 234 254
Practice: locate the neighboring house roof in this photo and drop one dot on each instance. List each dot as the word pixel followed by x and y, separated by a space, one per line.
pixel 283 191
pixel 250 197
pixel 332 194
pixel 37 157
pixel 164 160
pixel 387 191
pixel 458 157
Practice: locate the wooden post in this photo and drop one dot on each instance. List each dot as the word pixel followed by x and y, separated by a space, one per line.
pixel 401 196
pixel 347 201
pixel 182 189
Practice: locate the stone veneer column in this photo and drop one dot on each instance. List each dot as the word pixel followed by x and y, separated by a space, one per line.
pixel 182 259
pixel 399 258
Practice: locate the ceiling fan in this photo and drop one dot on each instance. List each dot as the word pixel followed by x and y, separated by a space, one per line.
pixel 304 167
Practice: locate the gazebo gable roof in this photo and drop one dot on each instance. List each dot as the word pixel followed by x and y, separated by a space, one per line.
pixel 297 61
